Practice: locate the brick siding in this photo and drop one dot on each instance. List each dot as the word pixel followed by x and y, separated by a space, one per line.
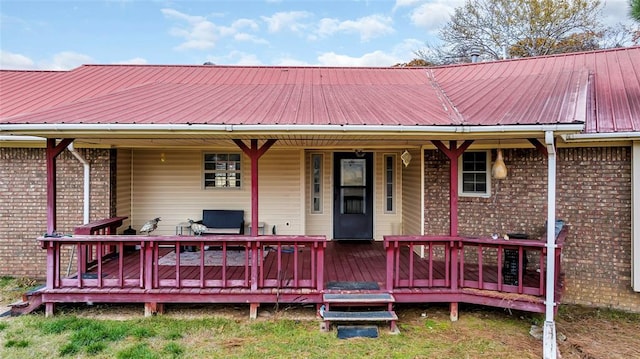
pixel 593 198
pixel 23 203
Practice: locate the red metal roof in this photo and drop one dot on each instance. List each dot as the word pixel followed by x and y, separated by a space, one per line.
pixel 600 88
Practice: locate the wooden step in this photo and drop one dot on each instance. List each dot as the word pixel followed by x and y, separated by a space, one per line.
pixel 372 316
pixel 358 298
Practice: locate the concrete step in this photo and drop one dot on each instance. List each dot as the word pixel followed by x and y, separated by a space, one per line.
pixel 369 316
pixel 358 298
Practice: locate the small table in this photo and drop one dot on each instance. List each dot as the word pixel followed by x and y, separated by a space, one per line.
pixel 180 228
pixel 261 227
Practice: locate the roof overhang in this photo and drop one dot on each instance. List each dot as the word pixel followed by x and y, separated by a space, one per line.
pixel 177 130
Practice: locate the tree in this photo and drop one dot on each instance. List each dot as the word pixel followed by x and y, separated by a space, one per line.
pixel 496 28
pixel 635 9
pixel 418 62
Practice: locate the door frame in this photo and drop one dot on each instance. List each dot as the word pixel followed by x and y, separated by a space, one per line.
pixel 357 225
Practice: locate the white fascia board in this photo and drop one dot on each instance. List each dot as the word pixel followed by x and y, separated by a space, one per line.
pixel 113 128
pixel 593 137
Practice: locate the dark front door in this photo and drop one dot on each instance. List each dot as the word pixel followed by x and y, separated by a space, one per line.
pixel 353 196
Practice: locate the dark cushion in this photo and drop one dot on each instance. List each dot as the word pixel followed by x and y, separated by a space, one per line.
pixel 223 218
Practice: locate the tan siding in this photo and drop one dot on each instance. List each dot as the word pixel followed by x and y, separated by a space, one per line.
pixel 123 186
pixel 173 189
pixel 386 223
pixel 320 223
pixel 412 194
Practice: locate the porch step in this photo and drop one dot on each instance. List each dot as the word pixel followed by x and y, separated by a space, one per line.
pixel 30 301
pixel 377 316
pixel 358 298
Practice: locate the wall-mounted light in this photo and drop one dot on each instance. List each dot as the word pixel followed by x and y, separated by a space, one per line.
pixel 499 169
pixel 162 157
pixel 359 152
pixel 406 158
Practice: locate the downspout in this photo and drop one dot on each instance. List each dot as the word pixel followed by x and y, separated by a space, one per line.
pixel 87 181
pixel 549 338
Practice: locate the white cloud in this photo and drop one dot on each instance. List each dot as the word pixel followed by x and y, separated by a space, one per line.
pixel 406 3
pixel 66 60
pixel 291 21
pixel 372 59
pixel 289 61
pixel 199 33
pixel 133 61
pixel 616 11
pixel 367 27
pixel 12 61
pixel 433 15
pixel 236 58
pixel 245 23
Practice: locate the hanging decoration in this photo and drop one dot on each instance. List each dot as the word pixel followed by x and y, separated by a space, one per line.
pixel 499 169
pixel 406 158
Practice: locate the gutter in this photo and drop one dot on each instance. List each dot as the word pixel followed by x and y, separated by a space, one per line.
pixel 87 181
pixel 608 136
pixel 289 128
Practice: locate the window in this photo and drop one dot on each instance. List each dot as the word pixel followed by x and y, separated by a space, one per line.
pixel 474 174
pixel 316 183
pixel 389 183
pixel 222 170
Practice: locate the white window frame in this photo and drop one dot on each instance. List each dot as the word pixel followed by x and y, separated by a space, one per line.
pixel 312 183
pixel 394 182
pixel 227 171
pixel 487 172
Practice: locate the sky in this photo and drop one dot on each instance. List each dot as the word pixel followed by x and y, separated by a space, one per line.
pixel 62 35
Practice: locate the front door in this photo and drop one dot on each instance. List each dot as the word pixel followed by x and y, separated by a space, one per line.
pixel 353 195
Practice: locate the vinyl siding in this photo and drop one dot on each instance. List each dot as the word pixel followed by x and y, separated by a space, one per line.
pixel 320 223
pixel 172 189
pixel 412 195
pixel 386 223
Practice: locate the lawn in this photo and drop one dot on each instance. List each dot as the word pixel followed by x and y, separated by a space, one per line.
pixel 217 331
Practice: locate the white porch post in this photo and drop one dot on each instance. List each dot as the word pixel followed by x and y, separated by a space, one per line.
pixel 549 338
pixel 635 219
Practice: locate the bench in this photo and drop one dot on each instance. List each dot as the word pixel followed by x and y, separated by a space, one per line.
pixel 223 221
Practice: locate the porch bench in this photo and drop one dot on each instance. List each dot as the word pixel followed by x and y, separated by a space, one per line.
pixel 223 221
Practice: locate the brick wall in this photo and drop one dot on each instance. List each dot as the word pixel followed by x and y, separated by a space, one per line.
pixel 23 203
pixel 593 197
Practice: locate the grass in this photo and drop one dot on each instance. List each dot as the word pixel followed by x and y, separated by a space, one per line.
pixel 70 335
pixel 216 331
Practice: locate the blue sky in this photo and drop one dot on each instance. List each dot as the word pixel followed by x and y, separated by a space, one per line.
pixel 60 35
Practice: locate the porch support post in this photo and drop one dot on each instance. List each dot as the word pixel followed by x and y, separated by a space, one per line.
pixel 53 151
pixel 453 152
pixel 549 333
pixel 254 154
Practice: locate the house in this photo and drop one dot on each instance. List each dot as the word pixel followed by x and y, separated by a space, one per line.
pixel 318 156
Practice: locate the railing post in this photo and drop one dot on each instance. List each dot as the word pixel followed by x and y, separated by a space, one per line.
pixel 253 245
pixel 149 247
pixel 390 263
pixel 320 265
pixel 51 264
pixel 453 306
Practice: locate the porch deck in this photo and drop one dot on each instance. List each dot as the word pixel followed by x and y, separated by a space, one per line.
pixel 291 269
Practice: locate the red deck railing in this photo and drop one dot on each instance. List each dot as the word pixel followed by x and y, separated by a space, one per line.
pixel 478 263
pixel 98 267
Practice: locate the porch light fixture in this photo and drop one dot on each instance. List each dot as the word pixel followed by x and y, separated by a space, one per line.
pixel 359 153
pixel 499 169
pixel 406 158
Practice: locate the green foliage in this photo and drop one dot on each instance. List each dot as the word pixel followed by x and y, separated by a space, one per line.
pixel 137 351
pixel 13 343
pixel 635 9
pixel 173 350
pixel 3 326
